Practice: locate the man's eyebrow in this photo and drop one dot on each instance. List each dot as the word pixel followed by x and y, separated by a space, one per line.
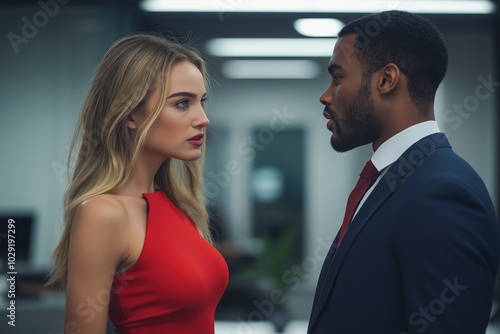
pixel 333 66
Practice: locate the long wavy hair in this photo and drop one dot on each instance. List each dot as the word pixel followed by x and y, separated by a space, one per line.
pixel 123 81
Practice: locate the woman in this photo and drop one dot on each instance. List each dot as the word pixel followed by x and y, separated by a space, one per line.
pixel 136 243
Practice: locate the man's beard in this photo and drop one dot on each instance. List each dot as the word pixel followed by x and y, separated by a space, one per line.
pixel 359 125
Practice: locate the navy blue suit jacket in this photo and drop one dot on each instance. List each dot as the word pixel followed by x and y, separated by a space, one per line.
pixel 420 256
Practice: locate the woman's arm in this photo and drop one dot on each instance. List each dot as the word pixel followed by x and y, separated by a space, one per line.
pixel 97 245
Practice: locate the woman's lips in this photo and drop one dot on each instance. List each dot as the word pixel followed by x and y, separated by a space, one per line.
pixel 196 140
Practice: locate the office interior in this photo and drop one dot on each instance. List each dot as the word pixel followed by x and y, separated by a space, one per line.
pixel 275 188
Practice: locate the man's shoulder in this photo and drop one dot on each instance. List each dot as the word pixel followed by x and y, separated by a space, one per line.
pixel 432 164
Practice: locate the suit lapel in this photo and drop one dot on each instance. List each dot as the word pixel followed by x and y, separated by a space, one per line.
pixel 334 261
pixel 400 169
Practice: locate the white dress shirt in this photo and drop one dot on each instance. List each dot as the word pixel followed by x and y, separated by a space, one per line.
pixel 394 147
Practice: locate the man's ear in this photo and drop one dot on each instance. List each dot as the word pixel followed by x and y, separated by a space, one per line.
pixel 388 79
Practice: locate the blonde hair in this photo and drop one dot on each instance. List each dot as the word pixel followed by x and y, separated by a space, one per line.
pixel 124 79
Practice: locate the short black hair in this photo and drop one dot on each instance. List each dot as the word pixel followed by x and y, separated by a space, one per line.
pixel 407 40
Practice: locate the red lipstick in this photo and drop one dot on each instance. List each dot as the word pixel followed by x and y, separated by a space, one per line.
pixel 196 140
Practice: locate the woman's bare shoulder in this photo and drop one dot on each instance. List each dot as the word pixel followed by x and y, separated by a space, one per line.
pixel 102 213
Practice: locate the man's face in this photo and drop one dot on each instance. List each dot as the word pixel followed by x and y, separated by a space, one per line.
pixel 348 101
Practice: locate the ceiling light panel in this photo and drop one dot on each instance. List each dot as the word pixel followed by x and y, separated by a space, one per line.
pixel 322 6
pixel 270 69
pixel 318 27
pixel 270 47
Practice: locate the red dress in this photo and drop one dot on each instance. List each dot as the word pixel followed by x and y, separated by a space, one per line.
pixel 176 283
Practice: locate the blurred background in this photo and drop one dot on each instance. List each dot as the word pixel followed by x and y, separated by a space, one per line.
pixel 275 188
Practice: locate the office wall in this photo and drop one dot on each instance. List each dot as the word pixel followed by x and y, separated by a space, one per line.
pixel 471 82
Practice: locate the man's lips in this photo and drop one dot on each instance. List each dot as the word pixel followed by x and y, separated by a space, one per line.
pixel 328 115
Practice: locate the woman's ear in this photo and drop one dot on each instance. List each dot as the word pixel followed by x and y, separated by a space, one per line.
pixel 132 121
pixel 389 78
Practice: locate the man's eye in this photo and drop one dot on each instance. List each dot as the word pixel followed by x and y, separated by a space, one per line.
pixel 336 79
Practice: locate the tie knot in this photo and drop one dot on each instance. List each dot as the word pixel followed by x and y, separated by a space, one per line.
pixel 369 171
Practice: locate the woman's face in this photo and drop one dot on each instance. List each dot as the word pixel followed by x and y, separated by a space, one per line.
pixel 178 130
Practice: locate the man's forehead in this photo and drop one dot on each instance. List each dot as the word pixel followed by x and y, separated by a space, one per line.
pixel 344 51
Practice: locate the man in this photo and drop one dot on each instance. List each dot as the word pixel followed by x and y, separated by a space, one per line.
pixel 422 251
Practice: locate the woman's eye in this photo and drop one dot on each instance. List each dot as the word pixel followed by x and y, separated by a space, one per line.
pixel 182 104
pixel 203 102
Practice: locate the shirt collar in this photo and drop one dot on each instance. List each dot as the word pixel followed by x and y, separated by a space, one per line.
pixel 394 147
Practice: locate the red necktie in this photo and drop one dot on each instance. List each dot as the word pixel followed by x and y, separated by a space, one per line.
pixel 366 179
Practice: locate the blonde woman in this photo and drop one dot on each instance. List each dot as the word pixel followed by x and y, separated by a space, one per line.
pixel 136 243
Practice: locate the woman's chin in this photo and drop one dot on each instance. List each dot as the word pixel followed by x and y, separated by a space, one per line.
pixel 189 157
